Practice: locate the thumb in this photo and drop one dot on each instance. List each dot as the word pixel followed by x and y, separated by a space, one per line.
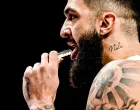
pixel 60 59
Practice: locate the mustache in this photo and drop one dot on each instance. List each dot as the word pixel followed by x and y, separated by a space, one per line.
pixel 70 40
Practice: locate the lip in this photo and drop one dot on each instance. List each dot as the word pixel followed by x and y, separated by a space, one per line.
pixel 71 44
pixel 74 53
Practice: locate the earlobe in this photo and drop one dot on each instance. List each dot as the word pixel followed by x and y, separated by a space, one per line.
pixel 106 23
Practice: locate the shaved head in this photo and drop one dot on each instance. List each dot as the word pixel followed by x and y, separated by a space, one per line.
pixel 126 10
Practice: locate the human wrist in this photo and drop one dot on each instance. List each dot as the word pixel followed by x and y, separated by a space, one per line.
pixel 44 107
pixel 47 104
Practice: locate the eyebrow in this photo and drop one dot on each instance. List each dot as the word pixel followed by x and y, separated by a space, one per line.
pixel 67 10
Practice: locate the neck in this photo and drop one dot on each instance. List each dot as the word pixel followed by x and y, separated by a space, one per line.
pixel 120 50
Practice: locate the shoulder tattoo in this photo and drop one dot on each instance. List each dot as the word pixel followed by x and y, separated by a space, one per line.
pixel 116 87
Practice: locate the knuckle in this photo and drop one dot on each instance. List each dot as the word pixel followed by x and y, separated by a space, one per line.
pixel 42 67
pixel 36 64
pixel 50 65
pixel 53 65
pixel 27 74
pixel 28 71
pixel 35 69
pixel 53 69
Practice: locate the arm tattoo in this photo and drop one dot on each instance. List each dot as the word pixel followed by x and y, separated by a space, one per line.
pixel 27 86
pixel 47 107
pixel 115 47
pixel 116 87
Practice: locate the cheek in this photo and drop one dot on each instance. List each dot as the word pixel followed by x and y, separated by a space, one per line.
pixel 77 31
pixel 80 27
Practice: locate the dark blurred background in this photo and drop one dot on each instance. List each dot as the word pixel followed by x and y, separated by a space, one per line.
pixel 31 28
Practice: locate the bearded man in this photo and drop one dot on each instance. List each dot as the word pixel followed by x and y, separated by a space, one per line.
pixel 104 34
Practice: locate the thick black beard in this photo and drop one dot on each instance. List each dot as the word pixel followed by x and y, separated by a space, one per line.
pixel 89 61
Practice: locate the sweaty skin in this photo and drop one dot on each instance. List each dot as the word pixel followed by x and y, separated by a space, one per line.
pixel 116 87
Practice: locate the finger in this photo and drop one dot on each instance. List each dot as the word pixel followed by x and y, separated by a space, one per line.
pixel 25 88
pixel 44 59
pixel 28 71
pixel 27 74
pixel 60 60
pixel 53 63
pixel 53 58
pixel 36 65
pixel 36 72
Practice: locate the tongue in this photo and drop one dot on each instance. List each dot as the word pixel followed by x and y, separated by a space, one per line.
pixel 74 54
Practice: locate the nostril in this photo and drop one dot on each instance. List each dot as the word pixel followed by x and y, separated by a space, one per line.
pixel 65 33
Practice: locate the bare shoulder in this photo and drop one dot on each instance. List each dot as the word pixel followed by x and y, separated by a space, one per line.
pixel 116 87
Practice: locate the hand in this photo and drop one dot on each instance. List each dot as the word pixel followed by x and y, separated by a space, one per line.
pixel 41 81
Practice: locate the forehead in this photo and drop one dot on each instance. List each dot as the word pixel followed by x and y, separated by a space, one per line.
pixel 74 2
pixel 76 5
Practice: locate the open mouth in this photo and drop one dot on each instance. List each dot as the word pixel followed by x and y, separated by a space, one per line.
pixel 74 54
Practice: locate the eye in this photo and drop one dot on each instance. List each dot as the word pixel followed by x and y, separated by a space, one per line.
pixel 71 17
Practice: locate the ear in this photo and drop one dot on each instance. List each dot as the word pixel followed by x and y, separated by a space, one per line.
pixel 106 23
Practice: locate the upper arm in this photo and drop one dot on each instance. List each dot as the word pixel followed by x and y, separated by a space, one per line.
pixel 117 86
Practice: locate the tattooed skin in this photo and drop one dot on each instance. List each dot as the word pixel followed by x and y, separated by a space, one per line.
pixel 116 87
pixel 47 107
pixel 115 47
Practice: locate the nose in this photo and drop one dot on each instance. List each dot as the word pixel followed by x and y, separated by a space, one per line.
pixel 65 33
pixel 65 30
